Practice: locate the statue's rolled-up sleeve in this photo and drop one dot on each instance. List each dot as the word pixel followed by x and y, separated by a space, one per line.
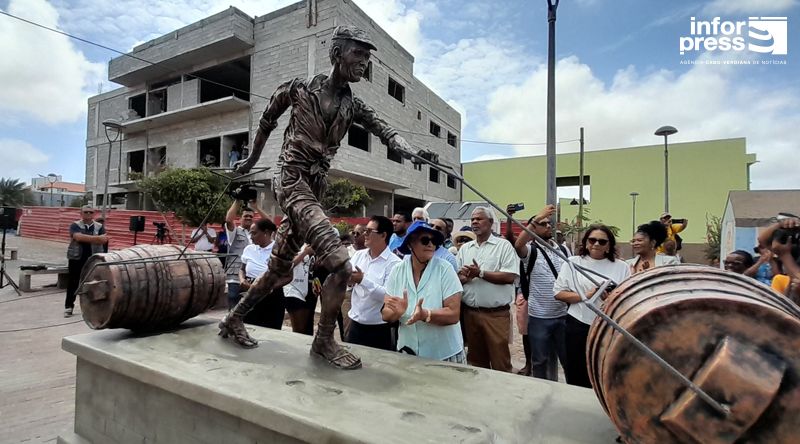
pixel 365 116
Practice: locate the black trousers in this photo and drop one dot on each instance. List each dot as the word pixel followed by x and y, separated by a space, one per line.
pixel 75 266
pixel 375 336
pixel 269 311
pixel 576 372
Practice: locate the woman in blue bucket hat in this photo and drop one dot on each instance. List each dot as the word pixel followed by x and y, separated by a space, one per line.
pixel 424 294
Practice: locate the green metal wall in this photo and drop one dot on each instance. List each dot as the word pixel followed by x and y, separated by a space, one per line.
pixel 701 174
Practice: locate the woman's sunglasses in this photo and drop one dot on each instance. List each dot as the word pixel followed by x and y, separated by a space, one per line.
pixel 427 240
pixel 594 240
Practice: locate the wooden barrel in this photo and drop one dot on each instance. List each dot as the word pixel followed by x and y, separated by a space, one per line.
pixel 732 336
pixel 151 289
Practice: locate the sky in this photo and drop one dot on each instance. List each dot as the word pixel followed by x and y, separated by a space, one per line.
pixel 619 73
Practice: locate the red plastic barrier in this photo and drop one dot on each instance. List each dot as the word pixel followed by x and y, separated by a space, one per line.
pixel 52 223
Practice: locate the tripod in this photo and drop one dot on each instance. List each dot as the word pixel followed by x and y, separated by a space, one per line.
pixel 3 273
pixel 161 235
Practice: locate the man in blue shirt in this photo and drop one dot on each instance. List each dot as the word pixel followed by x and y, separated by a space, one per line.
pixel 400 223
pixel 441 251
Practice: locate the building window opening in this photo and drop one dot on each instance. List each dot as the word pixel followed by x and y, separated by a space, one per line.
pixel 368 73
pixel 397 90
pixel 157 102
pixel 136 165
pixel 568 187
pixel 433 174
pixel 156 160
pixel 225 80
pixel 451 181
pixel 419 115
pixel 137 105
pixel 358 137
pixel 234 148
pixel 165 83
pixel 209 152
pixel 394 155
pixel 451 139
pixel 436 130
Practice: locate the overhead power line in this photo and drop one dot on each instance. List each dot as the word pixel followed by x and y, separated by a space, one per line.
pixel 169 69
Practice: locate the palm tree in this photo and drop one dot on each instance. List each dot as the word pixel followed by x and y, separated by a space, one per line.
pixel 12 192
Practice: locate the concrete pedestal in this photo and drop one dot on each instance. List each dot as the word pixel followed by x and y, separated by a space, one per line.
pixel 190 386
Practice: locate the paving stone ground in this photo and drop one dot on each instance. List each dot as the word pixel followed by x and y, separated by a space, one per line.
pixel 37 378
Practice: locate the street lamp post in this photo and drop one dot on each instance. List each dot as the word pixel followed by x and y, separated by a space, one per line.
pixel 116 127
pixel 52 178
pixel 633 212
pixel 552 197
pixel 666 131
pixel 634 194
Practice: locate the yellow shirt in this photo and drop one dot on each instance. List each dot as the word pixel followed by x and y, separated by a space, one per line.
pixel 780 283
pixel 672 230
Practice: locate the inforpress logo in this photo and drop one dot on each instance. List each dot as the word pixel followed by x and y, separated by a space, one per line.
pixel 765 35
pixel 768 35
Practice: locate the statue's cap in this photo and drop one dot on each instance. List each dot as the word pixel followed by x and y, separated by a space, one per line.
pixel 353 33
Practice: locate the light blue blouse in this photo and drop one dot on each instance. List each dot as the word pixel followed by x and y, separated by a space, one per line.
pixel 439 281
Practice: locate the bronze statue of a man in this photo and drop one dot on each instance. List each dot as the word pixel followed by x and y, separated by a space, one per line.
pixel 323 108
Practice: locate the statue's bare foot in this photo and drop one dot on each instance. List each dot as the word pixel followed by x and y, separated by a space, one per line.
pixel 233 327
pixel 335 354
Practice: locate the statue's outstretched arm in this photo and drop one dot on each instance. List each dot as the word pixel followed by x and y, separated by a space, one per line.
pixel 277 105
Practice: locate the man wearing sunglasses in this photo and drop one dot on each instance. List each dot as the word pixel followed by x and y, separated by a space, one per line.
pixel 87 237
pixel 488 268
pixel 371 269
pixel 546 326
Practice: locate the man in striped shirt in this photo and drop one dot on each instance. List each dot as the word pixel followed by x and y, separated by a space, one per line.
pixel 546 315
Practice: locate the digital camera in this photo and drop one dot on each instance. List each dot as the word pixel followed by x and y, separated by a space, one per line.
pixel 244 192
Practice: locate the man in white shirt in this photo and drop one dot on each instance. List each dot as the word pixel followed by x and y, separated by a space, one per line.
pixel 372 267
pixel 488 268
pixel 203 238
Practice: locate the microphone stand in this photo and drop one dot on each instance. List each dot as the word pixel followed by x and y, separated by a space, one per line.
pixel 3 273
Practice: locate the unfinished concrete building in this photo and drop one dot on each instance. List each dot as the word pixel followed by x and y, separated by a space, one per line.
pixel 193 95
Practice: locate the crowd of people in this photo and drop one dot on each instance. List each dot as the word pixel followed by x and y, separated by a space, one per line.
pixel 420 288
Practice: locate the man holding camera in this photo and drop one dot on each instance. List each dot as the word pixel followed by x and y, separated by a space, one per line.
pixel 238 239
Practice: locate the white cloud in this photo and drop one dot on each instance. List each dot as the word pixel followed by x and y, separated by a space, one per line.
pixel 43 75
pixel 21 160
pixel 123 24
pixel 403 23
pixel 466 70
pixel 706 102
pixel 489 157
pixel 748 6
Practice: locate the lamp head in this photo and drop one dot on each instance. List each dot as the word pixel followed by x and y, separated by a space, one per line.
pixel 666 131
pixel 113 124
